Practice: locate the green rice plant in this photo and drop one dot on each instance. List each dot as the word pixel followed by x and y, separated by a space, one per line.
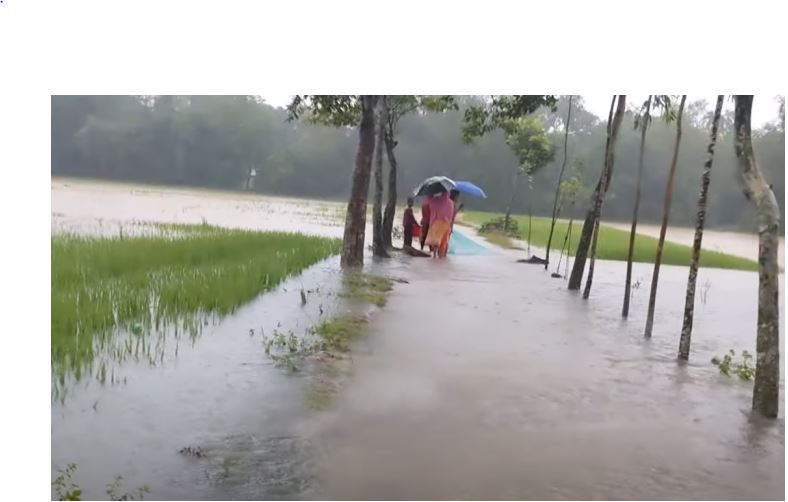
pixel 613 243
pixel 175 278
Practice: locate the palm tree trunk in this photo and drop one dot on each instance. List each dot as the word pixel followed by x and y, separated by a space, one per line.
pixel 766 390
pixel 356 216
pixel 652 300
pixel 558 185
pixel 607 174
pixel 391 193
pixel 378 249
pixel 689 302
pixel 633 230
pixel 579 265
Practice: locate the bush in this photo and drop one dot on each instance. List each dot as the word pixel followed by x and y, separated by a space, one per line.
pixel 496 225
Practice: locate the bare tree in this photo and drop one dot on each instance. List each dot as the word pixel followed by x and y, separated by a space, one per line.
pixel 558 185
pixel 378 247
pixel 586 234
pixel 642 121
pixel 766 391
pixel 652 301
pixel 700 221
pixel 604 182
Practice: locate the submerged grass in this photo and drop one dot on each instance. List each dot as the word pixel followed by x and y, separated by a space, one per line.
pixel 102 285
pixel 613 243
pixel 366 287
pixel 499 239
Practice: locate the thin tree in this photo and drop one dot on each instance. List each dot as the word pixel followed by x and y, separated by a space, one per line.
pixel 346 111
pixel 378 245
pixel 766 390
pixel 586 234
pixel 689 302
pixel 642 121
pixel 558 184
pixel 397 107
pixel 652 300
pixel 613 127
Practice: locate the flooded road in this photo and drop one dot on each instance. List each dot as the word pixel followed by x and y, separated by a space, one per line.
pixel 487 379
pixel 481 378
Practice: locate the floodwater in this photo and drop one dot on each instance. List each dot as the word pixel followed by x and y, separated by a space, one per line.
pixel 481 378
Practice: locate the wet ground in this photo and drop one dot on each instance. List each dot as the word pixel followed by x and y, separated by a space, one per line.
pixel 481 378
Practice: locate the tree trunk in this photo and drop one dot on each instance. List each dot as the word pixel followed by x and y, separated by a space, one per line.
pixel 530 210
pixel 511 201
pixel 766 390
pixel 613 126
pixel 632 231
pixel 391 194
pixel 558 185
pixel 356 216
pixel 689 302
pixel 652 300
pixel 378 249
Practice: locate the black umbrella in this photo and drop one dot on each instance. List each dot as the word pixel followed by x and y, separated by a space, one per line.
pixel 434 185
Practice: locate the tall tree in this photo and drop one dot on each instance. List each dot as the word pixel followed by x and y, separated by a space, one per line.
pixel 581 253
pixel 343 111
pixel 652 300
pixel 641 121
pixel 766 390
pixel 527 138
pixel 505 112
pixel 558 184
pixel 398 107
pixel 689 302
pixel 378 247
pixel 607 174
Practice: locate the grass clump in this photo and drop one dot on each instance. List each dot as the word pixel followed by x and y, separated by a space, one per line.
pixel 102 285
pixel 613 243
pixel 366 287
pixel 339 333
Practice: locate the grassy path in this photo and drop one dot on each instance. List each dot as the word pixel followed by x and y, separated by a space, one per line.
pixel 614 243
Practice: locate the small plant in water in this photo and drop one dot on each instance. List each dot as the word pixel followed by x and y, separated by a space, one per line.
pixel 744 368
pixel 704 291
pixel 113 490
pixel 65 488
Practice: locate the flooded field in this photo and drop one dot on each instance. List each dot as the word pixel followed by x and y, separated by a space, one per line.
pixel 481 378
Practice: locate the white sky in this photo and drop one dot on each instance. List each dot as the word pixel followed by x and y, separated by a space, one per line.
pixel 764 108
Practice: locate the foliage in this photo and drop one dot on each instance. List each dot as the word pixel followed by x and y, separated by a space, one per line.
pixel 497 225
pixel 527 138
pixel 495 112
pixel 66 489
pixel 743 368
pixel 213 141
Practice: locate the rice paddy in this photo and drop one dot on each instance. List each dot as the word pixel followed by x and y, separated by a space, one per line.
pixel 111 293
pixel 613 243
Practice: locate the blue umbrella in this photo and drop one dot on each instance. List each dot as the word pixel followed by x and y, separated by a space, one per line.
pixel 469 188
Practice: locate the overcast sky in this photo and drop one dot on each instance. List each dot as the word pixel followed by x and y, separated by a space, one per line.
pixel 764 108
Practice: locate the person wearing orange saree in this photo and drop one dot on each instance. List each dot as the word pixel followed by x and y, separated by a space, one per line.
pixel 441 217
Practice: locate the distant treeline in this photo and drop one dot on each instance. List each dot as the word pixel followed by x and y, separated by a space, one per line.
pixel 241 143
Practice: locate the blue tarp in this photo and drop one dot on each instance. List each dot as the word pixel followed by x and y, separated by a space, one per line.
pixel 460 244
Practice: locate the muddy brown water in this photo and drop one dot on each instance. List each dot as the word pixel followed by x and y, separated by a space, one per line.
pixel 481 378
